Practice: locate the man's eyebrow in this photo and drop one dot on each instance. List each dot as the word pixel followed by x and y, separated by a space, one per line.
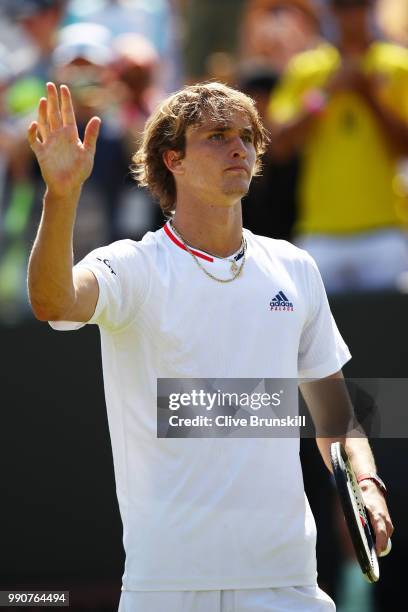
pixel 221 127
pixel 224 127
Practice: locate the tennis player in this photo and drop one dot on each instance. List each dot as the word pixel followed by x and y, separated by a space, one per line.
pixel 210 525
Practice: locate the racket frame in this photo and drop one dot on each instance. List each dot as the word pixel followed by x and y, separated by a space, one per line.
pixel 354 510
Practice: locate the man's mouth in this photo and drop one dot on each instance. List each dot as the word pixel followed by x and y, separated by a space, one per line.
pixel 237 169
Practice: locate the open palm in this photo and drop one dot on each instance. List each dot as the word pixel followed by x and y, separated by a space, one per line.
pixel 65 161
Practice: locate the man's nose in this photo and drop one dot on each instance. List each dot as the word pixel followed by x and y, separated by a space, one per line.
pixel 238 149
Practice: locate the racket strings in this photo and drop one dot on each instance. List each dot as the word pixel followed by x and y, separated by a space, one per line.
pixel 358 498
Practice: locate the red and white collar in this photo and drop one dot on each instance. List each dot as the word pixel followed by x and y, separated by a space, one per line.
pixel 168 230
pixel 170 233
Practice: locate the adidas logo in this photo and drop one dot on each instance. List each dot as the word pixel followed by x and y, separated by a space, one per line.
pixel 280 302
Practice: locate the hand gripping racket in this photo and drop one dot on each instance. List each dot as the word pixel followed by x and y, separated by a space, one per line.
pixel 355 513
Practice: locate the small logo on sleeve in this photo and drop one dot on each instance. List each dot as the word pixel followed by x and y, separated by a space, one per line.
pixel 107 263
pixel 281 302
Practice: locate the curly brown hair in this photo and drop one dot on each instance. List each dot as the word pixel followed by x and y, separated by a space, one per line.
pixel 166 130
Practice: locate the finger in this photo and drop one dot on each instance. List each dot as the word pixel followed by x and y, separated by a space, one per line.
pixel 67 109
pixel 43 127
pixel 380 533
pixel 91 134
pixel 53 108
pixel 381 542
pixel 387 551
pixel 390 526
pixel 32 136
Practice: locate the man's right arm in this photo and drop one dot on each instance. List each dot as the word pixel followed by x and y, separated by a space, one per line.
pixel 56 291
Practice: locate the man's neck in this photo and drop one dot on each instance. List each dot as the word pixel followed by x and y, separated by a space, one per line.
pixel 352 47
pixel 214 229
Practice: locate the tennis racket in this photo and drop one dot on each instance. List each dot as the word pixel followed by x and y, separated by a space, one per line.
pixel 355 513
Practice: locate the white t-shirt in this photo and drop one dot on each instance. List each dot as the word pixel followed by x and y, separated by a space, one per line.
pixel 208 513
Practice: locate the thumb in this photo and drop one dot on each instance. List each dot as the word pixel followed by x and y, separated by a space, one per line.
pixel 32 136
pixel 91 134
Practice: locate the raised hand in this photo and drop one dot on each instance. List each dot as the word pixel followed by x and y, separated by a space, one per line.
pixel 64 160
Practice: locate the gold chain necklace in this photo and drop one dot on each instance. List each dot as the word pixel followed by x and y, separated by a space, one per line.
pixel 235 269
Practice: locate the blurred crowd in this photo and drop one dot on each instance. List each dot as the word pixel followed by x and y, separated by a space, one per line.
pixel 330 79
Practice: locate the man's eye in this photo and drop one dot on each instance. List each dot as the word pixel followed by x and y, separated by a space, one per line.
pixel 248 138
pixel 217 136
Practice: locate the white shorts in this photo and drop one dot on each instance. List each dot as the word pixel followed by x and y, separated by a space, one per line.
pixel 367 261
pixel 288 599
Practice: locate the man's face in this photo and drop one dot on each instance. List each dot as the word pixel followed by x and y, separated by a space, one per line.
pixel 40 23
pixel 352 18
pixel 219 160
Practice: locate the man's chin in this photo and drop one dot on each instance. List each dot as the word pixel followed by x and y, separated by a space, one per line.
pixel 238 191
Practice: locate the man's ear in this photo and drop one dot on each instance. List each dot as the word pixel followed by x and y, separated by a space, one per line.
pixel 173 161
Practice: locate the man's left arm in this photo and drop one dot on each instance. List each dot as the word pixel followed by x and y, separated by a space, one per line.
pixel 316 395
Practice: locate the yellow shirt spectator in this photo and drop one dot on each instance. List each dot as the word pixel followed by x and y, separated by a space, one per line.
pixel 348 179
